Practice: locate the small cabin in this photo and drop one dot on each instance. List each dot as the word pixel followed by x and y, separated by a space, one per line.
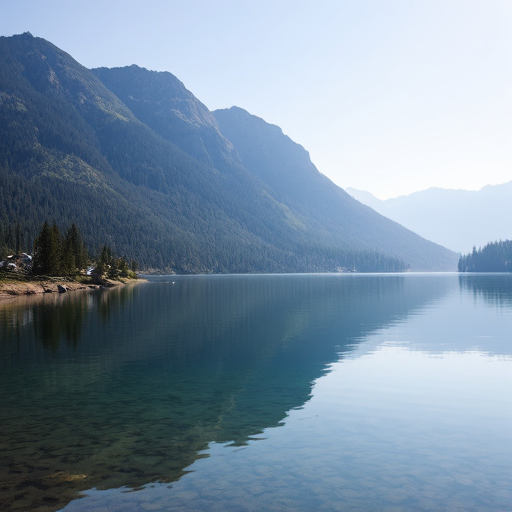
pixel 16 262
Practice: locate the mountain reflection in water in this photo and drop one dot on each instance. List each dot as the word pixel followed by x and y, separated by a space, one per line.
pixel 119 389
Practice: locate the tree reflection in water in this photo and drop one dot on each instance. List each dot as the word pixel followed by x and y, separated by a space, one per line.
pixel 132 384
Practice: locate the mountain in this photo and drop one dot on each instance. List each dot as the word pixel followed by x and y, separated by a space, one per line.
pixel 458 219
pixel 74 152
pixel 161 101
pixel 285 167
pixel 136 161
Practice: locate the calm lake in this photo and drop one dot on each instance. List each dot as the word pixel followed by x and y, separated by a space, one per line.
pixel 266 392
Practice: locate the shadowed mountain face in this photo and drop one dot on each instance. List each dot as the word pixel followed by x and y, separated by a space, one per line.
pixel 136 161
pixel 458 219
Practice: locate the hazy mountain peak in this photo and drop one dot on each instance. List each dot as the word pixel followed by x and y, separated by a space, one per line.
pixel 362 196
pixel 268 134
pixel 243 115
pixel 454 218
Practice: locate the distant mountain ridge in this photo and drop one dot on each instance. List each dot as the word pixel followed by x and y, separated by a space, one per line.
pixel 457 219
pixel 132 157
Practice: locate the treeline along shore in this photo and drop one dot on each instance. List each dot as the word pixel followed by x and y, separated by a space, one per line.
pixel 494 257
pixel 56 262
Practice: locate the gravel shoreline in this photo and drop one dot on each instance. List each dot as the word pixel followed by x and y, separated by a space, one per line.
pixel 11 289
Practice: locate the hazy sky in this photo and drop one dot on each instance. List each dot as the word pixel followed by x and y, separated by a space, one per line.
pixel 389 96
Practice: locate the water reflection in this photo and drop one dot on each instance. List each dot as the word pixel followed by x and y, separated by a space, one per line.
pixel 494 289
pixel 57 319
pixel 130 386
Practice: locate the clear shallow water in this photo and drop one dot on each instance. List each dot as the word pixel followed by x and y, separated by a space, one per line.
pixel 345 392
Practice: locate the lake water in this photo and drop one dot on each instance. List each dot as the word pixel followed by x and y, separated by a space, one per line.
pixel 284 392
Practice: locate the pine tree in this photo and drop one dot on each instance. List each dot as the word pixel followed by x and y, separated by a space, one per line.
pixel 79 250
pixel 42 251
pixel 56 250
pixel 48 251
pixel 103 261
pixel 17 237
pixel 69 265
pixel 74 253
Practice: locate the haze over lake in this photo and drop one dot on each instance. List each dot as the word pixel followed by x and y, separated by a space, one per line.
pixel 291 392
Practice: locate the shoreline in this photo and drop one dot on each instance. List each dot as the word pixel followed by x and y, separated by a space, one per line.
pixel 12 289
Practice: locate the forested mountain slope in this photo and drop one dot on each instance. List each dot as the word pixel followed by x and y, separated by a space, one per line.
pixel 74 152
pixel 287 169
pixel 133 158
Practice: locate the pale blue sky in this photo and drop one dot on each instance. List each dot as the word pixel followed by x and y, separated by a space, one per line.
pixel 389 96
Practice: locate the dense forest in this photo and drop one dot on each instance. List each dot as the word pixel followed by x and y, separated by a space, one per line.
pixel 56 253
pixel 12 240
pixel 494 257
pixel 137 163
